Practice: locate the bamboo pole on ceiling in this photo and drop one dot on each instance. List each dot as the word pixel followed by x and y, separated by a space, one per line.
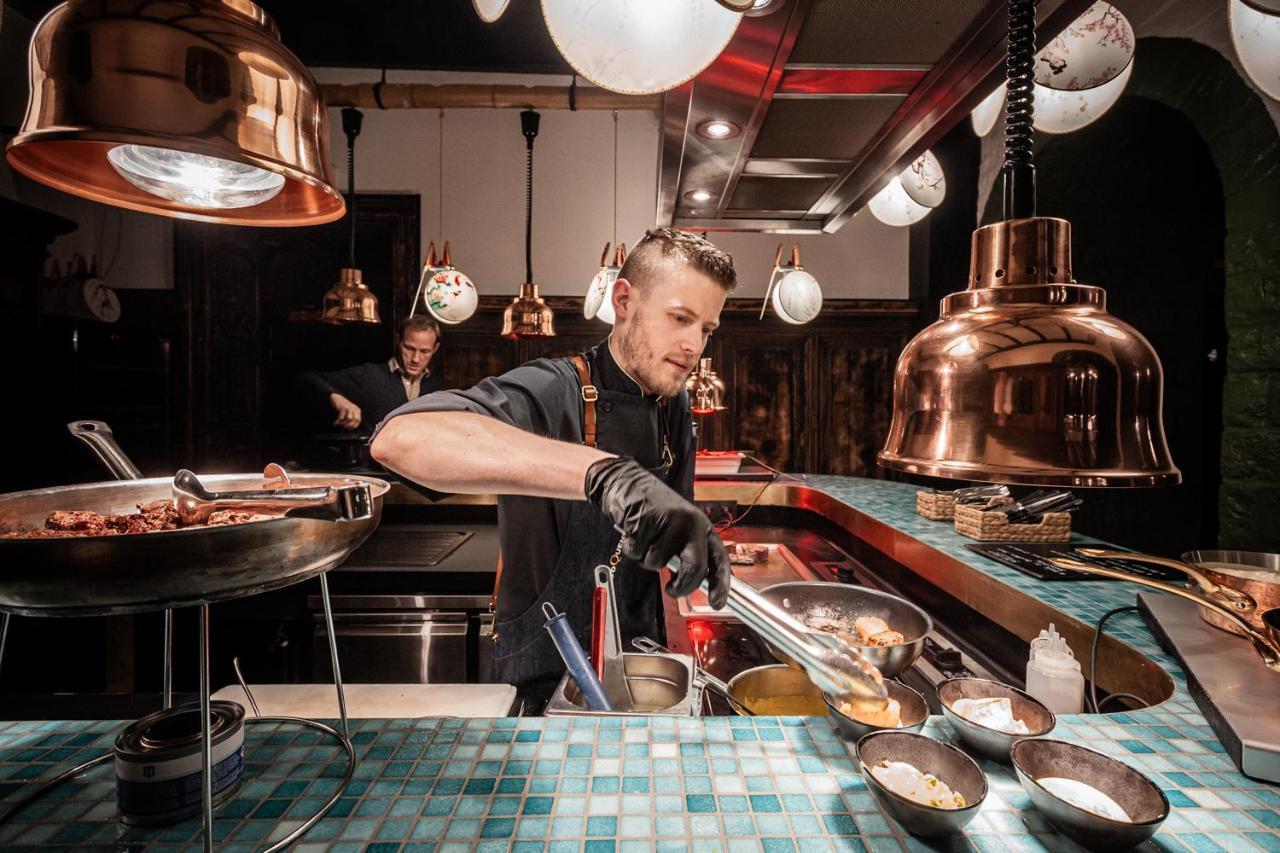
pixel 425 96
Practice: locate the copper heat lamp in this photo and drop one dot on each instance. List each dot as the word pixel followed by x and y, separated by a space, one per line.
pixel 351 300
pixel 188 109
pixel 528 316
pixel 1025 377
pixel 706 389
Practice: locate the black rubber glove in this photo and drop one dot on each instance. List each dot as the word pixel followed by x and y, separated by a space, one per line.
pixel 658 524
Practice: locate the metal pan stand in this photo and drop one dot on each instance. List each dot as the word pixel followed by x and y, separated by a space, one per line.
pixel 122 468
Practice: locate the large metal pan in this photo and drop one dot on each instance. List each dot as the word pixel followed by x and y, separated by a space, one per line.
pixel 97 575
pixel 807 600
pixel 1246 582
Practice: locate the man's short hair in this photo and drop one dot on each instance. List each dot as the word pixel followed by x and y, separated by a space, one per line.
pixel 419 323
pixel 652 257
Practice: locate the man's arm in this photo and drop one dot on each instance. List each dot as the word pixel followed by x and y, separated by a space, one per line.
pixel 333 386
pixel 489 456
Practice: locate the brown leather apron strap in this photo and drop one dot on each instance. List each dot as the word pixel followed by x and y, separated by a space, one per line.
pixel 589 396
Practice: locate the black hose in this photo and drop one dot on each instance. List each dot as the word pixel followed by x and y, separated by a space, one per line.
pixel 1019 135
pixel 528 215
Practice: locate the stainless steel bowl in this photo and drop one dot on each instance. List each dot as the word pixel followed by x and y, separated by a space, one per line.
pixel 661 685
pixel 1141 799
pixel 950 765
pixel 988 742
pixel 915 713
pixel 843 603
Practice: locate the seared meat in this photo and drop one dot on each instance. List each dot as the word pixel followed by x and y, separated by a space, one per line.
pixel 156 515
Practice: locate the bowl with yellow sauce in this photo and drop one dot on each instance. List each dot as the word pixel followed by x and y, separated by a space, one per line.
pixel 906 711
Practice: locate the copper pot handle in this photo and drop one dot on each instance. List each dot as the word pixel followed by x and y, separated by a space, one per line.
pixel 1267 649
pixel 1233 598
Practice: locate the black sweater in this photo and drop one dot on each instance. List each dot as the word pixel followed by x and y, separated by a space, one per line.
pixel 373 387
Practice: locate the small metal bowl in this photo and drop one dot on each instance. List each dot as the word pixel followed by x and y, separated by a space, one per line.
pixel 1140 798
pixel 915 713
pixel 986 741
pixel 943 760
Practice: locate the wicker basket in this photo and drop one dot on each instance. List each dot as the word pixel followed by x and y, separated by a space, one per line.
pixel 938 506
pixel 971 521
pixel 941 506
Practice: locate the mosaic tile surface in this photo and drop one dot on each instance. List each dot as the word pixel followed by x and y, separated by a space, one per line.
pixel 749 784
pixel 762 783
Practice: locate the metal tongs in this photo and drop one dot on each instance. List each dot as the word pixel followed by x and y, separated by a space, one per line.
pixel 341 501
pixel 832 665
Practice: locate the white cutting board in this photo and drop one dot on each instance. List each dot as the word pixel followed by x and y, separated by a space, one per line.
pixel 320 701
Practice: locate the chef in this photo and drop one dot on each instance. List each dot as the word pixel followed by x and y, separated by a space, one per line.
pixel 592 460
pixel 365 393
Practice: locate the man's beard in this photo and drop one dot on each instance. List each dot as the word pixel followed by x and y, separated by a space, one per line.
pixel 644 365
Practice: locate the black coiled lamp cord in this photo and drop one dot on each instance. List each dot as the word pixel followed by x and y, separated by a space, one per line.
pixel 1019 136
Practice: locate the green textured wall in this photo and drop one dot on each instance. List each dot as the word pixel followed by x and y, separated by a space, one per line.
pixel 1230 116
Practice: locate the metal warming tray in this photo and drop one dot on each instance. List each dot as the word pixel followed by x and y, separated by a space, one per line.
pixel 98 575
pixel 661 684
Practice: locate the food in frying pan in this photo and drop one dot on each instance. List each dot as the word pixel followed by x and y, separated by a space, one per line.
pixel 156 515
pixel 867 631
pixel 923 788
pixel 874 631
pixel 993 712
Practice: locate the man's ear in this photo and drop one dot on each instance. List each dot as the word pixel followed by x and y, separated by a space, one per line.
pixel 624 297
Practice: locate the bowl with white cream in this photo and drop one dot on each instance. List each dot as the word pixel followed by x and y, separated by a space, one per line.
pixel 989 716
pixel 929 787
pixel 1093 799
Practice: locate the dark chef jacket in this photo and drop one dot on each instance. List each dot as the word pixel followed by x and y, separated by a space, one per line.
pixel 544 397
pixel 374 387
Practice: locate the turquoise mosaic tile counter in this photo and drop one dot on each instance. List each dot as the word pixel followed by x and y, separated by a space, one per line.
pixel 647 785
pixel 556 784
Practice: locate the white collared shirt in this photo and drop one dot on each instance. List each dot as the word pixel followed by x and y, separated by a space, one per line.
pixel 411 386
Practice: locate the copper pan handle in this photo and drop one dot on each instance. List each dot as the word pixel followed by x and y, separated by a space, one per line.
pixel 1267 649
pixel 1227 596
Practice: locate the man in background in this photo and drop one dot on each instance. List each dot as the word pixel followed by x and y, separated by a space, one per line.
pixel 364 394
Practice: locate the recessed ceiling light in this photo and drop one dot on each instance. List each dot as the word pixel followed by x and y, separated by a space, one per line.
pixel 719 129
pixel 699 195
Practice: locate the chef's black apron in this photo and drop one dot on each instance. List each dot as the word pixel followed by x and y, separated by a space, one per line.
pixel 523 653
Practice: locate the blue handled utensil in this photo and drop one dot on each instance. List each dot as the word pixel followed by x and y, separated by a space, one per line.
pixel 575 659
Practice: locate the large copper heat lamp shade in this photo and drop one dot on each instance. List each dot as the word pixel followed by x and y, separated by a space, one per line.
pixel 175 78
pixel 1025 377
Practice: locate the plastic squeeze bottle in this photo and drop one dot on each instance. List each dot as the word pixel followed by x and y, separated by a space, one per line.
pixel 1053 674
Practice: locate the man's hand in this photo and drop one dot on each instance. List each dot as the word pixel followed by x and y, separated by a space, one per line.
pixel 658 524
pixel 348 412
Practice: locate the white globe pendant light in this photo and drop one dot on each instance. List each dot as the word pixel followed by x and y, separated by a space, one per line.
pixel 1065 112
pixel 1092 51
pixel 1256 37
pixel 794 293
pixel 986 114
pixel 640 47
pixel 490 10
pixel 902 201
